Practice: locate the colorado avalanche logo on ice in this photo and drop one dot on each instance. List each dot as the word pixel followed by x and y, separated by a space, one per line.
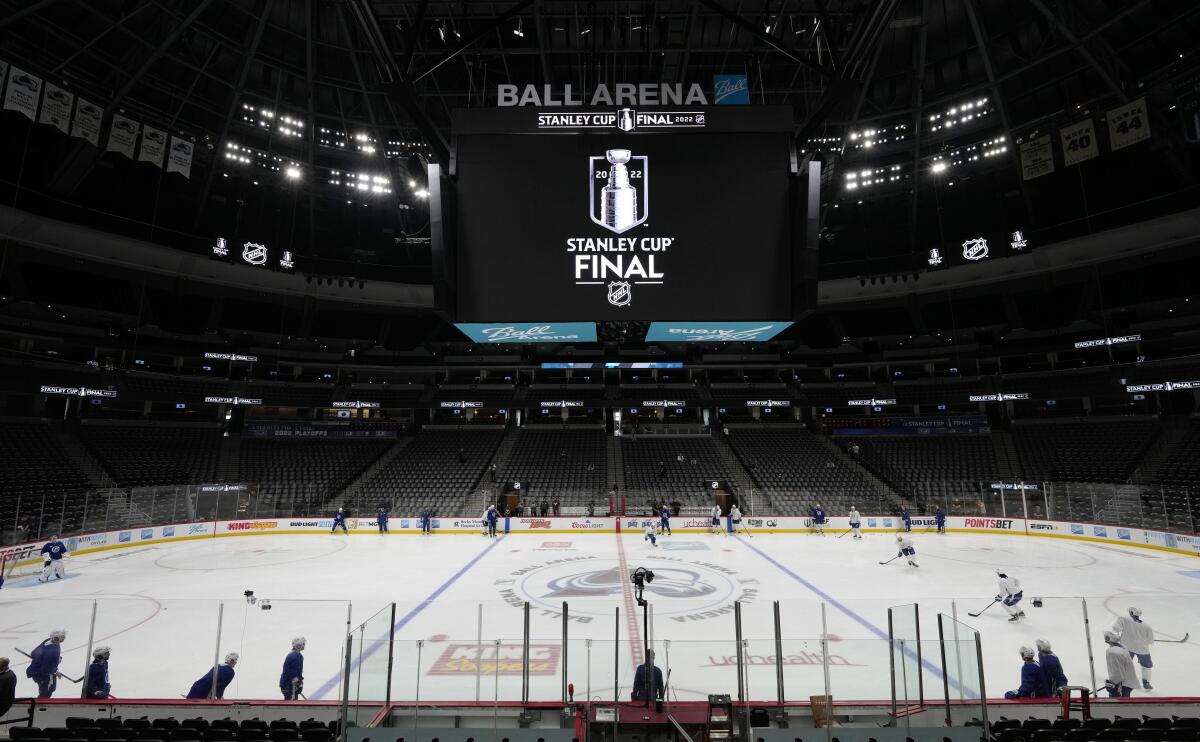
pixel 668 583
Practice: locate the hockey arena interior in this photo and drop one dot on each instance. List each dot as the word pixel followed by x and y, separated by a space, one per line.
pixel 599 371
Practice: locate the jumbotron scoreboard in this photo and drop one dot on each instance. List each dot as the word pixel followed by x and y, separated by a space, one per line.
pixel 588 213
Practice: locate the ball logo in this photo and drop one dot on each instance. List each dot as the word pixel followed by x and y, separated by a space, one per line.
pixel 975 249
pixel 620 203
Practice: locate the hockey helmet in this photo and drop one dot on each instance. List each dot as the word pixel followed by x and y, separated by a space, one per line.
pixel 1026 653
pixel 1135 612
pixel 1043 646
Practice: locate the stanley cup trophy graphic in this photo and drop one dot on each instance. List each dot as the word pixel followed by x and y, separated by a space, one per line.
pixel 619 199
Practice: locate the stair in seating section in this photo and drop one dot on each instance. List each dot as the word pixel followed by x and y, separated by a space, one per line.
pixel 882 489
pixel 1174 432
pixel 352 489
pixel 753 497
pixel 1008 466
pixel 229 458
pixel 83 459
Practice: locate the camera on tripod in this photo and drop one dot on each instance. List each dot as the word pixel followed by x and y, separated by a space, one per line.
pixel 640 577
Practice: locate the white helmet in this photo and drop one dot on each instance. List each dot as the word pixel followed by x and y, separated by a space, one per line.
pixel 1111 637
pixel 298 643
pixel 59 634
pixel 1135 612
pixel 1000 572
pixel 102 652
pixel 1043 646
pixel 1026 653
pixel 231 658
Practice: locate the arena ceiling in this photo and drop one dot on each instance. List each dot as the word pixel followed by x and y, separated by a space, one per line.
pixel 335 91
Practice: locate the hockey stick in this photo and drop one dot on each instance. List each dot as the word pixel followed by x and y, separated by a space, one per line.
pixel 743 529
pixel 891 560
pixel 1174 641
pixel 989 605
pixel 61 675
pixel 843 533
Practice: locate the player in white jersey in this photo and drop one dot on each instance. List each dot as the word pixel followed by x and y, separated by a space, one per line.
pixel 907 550
pixel 1137 636
pixel 855 522
pixel 650 535
pixel 735 518
pixel 1121 676
pixel 716 519
pixel 1009 593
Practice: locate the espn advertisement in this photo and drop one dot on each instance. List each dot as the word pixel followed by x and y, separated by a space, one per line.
pixel 611 223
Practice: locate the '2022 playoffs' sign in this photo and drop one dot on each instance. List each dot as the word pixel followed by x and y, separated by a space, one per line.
pixel 636 214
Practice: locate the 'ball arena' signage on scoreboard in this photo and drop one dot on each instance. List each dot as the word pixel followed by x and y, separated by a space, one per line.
pixel 621 94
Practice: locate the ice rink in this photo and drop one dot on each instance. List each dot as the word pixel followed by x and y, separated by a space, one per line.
pixel 457 595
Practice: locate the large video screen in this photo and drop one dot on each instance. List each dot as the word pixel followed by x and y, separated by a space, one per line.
pixel 624 215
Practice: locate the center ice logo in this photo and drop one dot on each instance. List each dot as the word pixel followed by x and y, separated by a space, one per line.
pixel 668 583
pixel 684 589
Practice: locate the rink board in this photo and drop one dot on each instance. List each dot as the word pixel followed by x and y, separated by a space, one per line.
pixel 27 554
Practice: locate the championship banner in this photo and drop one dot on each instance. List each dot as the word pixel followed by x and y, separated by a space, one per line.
pixel 1079 143
pixel 1128 124
pixel 86 124
pixel 56 108
pixel 122 135
pixel 154 144
pixel 1037 158
pixel 179 159
pixel 23 93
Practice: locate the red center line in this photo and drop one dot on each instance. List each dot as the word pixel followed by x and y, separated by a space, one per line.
pixel 637 653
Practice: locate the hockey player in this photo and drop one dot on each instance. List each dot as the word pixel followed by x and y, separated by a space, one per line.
pixel 1121 676
pixel 291 680
pixel 426 522
pixel 52 554
pixel 650 535
pixel 716 519
pixel 1052 668
pixel 939 518
pixel 96 683
pixel 1137 636
pixel 203 688
pixel 818 518
pixel 44 661
pixel 907 550
pixel 382 519
pixel 906 518
pixel 1009 593
pixel 339 519
pixel 492 517
pixel 664 520
pixel 735 518
pixel 1033 679
pixel 855 522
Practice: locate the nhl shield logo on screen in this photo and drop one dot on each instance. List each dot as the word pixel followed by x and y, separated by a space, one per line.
pixel 620 293
pixel 254 253
pixel 618 187
pixel 975 249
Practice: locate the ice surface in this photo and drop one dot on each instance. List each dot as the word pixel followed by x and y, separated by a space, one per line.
pixel 158 607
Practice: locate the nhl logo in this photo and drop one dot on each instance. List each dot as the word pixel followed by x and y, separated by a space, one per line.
pixel 975 249
pixel 619 293
pixel 626 119
pixel 254 253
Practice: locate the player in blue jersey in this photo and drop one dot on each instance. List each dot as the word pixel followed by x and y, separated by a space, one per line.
pixel 1056 679
pixel 939 518
pixel 52 554
pixel 96 684
pixel 381 518
pixel 203 688
pixel 664 521
pixel 339 519
pixel 291 680
pixel 906 518
pixel 44 661
pixel 1033 679
pixel 818 519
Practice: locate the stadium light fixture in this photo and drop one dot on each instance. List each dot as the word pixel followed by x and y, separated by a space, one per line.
pixel 292 173
pixel 939 167
pixel 520 29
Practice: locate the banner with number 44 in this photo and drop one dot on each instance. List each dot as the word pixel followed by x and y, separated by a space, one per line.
pixel 1128 124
